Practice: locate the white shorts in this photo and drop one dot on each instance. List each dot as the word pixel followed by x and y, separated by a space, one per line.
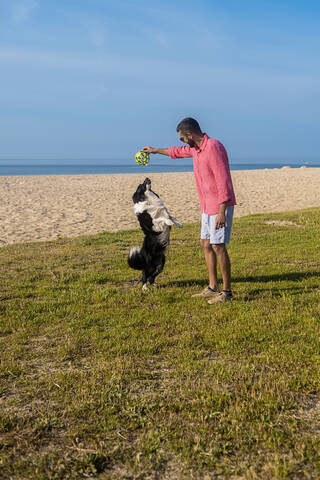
pixel 209 231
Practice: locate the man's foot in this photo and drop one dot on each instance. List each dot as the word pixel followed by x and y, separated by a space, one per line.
pixel 221 297
pixel 207 293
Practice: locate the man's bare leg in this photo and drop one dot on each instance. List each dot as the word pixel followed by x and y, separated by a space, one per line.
pixel 211 262
pixel 224 264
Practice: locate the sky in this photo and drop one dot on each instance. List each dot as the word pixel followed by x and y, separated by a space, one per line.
pixel 100 79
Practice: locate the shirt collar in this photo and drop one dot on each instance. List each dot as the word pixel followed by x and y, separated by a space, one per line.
pixel 203 143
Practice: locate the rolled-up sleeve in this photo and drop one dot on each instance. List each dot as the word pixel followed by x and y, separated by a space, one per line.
pixel 221 171
pixel 180 152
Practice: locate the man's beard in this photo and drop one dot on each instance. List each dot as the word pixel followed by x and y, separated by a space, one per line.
pixel 191 143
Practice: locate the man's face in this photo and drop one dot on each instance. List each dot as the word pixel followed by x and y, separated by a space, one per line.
pixel 186 138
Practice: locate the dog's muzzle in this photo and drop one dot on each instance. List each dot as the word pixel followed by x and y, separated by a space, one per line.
pixel 147 183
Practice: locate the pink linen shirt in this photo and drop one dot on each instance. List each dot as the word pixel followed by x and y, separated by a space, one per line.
pixel 211 171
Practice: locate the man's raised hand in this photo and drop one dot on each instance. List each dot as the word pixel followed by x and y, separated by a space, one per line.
pixel 149 149
pixel 161 151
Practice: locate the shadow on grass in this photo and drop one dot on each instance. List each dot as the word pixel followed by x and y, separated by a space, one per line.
pixel 291 276
pixel 276 291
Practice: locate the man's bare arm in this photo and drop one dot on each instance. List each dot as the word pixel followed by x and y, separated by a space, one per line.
pixel 162 151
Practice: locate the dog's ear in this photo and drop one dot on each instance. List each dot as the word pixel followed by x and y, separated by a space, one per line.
pixel 154 193
pixel 139 194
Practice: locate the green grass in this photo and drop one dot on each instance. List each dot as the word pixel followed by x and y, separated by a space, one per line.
pixel 101 380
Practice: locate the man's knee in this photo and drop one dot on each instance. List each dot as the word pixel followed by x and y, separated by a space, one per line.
pixel 218 247
pixel 205 244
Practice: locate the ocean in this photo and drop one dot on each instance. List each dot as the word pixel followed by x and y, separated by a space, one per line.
pixel 15 169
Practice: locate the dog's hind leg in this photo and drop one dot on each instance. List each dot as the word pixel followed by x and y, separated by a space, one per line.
pixel 144 280
pixel 152 281
pixel 157 270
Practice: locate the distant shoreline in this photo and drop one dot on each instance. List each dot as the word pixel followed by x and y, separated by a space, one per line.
pixel 112 169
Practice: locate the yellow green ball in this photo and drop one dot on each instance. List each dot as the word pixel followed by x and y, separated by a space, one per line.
pixel 142 158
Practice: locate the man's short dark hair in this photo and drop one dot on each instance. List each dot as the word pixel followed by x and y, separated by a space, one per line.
pixel 189 125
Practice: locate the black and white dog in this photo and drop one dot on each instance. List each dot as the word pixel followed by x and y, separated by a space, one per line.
pixel 156 224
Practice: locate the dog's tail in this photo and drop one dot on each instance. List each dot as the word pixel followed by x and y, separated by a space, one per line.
pixel 135 259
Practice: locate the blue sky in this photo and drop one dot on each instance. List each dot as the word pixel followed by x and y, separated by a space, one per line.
pixel 99 79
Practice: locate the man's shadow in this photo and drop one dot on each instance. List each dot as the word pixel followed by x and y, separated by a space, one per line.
pixel 254 293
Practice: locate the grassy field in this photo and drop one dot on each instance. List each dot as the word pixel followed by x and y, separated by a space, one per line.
pixel 101 380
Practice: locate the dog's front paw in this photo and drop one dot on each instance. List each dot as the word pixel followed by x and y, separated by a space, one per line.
pixel 176 222
pixel 144 287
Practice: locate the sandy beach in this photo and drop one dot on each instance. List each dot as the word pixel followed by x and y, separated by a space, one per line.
pixel 36 208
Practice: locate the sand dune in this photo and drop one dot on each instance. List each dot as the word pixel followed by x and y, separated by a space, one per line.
pixel 36 208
